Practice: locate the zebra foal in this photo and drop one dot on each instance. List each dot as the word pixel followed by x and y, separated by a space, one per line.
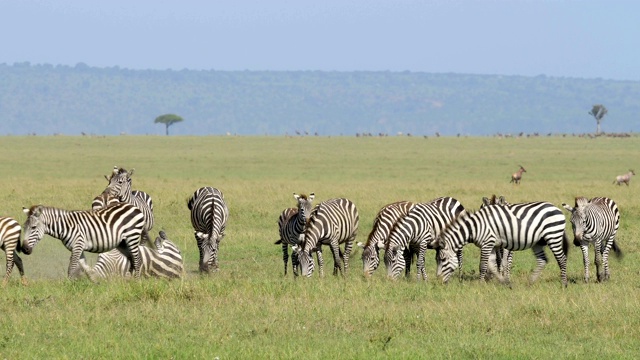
pixel 209 215
pixel 9 242
pixel 595 221
pixel 96 231
pixel 290 225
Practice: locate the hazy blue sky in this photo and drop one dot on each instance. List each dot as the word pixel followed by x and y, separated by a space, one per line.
pixel 586 39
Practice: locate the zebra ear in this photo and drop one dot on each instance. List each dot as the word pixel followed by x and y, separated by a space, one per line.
pixel 295 248
pixel 25 210
pixel 131 172
pixel 296 196
pixel 486 201
pixel 567 207
pixel 312 196
pixel 502 201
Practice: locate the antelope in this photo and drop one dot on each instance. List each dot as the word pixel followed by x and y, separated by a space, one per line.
pixel 624 178
pixel 517 176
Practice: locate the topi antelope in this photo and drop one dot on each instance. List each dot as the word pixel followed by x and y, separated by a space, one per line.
pixel 517 176
pixel 624 178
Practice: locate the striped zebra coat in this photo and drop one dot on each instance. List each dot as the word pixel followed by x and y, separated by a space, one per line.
pixel 516 227
pixel 290 225
pixel 120 187
pixel 209 214
pixel 165 261
pixel 9 242
pixel 595 221
pixel 332 222
pixel 93 231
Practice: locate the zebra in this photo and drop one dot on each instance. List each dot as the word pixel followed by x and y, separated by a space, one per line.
pixel 595 221
pixel 517 176
pixel 515 227
pixel 103 200
pixel 503 258
pixel 97 231
pixel 624 178
pixel 332 223
pixel 165 262
pixel 120 187
pixel 209 215
pixel 291 224
pixel 384 221
pixel 9 241
pixel 416 233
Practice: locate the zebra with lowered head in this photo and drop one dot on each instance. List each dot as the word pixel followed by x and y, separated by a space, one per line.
pixel 209 215
pixel 332 223
pixel 96 231
pixel 515 227
pixel 10 243
pixel 120 187
pixel 165 261
pixel 291 224
pixel 595 221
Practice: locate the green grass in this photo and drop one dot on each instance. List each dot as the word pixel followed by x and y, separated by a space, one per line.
pixel 249 310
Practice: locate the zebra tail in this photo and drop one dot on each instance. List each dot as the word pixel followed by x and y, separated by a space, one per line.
pixel 616 249
pixel 278 242
pixel 565 244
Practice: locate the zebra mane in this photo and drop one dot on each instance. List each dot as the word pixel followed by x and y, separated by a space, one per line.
pixel 457 221
pixel 581 201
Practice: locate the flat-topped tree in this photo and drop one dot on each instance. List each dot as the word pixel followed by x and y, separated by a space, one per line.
pixel 168 120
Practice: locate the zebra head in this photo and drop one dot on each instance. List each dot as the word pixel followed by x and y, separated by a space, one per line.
pixel 307 266
pixel 370 256
pixel 394 260
pixel 447 245
pixel 34 228
pixel 159 242
pixel 119 182
pixel 304 204
pixel 578 219
pixel 208 251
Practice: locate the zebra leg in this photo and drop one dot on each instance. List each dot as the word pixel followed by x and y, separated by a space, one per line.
pixel 599 269
pixel 421 260
pixel 485 253
pixel 285 256
pixel 347 253
pixel 541 261
pixel 605 258
pixel 87 269
pixel 320 261
pixel 74 260
pixel 585 258
pixel 408 259
pixel 9 254
pixel 459 255
pixel 561 258
pixel 506 268
pixel 337 254
pixel 295 264
pixel 18 261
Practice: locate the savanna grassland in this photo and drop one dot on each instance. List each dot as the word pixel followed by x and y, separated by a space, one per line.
pixel 250 310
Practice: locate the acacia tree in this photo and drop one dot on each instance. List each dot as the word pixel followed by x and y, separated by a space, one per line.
pixel 598 111
pixel 168 120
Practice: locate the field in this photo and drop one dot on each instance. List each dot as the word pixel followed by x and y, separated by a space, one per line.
pixel 250 310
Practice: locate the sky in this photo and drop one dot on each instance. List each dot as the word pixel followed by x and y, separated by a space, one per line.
pixel 578 39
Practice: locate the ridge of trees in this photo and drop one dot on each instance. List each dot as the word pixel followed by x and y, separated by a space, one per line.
pixel 46 99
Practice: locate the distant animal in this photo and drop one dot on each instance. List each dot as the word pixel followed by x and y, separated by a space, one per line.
pixel 291 224
pixel 10 243
pixel 209 214
pixel 624 178
pixel 517 176
pixel 595 221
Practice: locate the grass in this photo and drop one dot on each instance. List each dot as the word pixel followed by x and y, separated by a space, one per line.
pixel 249 310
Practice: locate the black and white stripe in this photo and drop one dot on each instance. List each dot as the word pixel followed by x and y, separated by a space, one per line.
pixel 95 231
pixel 9 242
pixel 291 224
pixel 502 258
pixel 103 200
pixel 332 223
pixel 165 261
pixel 120 186
pixel 595 221
pixel 416 232
pixel 515 227
pixel 384 221
pixel 209 215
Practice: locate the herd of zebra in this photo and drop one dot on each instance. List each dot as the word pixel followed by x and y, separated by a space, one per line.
pixel 117 228
pixel 405 230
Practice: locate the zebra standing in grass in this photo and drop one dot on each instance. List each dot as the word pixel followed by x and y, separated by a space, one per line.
pixel 515 227
pixel 416 232
pixel 97 231
pixel 595 221
pixel 9 241
pixel 120 186
pixel 332 223
pixel 165 261
pixel 386 218
pixel 209 215
pixel 624 178
pixel 291 225
pixel 503 258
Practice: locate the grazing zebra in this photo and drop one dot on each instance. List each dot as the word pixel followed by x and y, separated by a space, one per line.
pixel 332 223
pixel 517 176
pixel 97 231
pixel 165 262
pixel 386 218
pixel 416 233
pixel 120 187
pixel 291 224
pixel 595 221
pixel 624 178
pixel 515 227
pixel 209 215
pixel 9 241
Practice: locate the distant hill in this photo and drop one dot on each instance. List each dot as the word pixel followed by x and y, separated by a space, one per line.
pixel 47 99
